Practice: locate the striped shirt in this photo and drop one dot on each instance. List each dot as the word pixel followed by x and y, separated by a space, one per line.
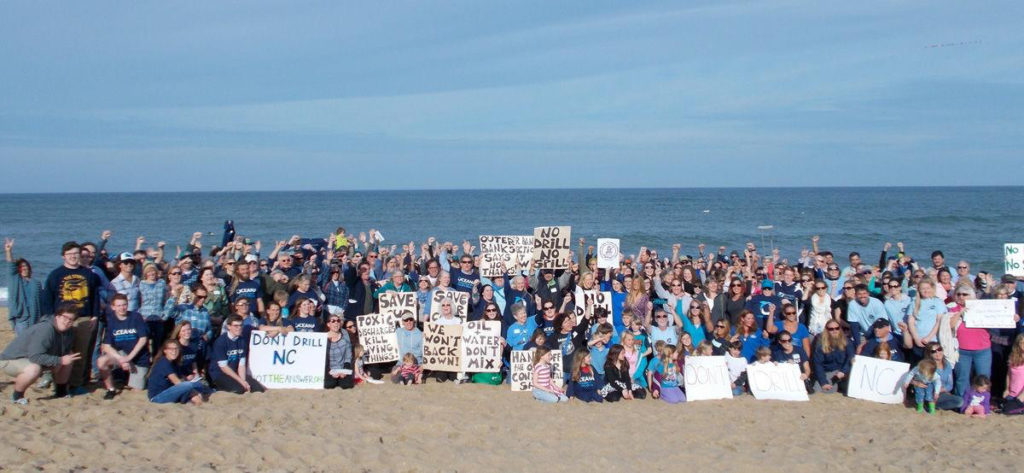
pixel 542 376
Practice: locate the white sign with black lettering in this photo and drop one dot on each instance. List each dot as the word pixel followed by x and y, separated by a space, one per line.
pixel 877 380
pixel 706 377
pixel 779 382
pixel 481 347
pixel 288 361
pixel 607 253
pixel 397 305
pixel 989 313
pixel 522 370
pixel 551 247
pixel 460 304
pixel 377 336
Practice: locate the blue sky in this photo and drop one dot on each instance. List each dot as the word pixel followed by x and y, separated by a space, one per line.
pixel 116 96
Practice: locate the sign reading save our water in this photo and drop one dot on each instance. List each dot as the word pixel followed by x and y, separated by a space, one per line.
pixel 288 361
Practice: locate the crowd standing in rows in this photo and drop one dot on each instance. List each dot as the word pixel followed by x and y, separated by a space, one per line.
pixel 179 328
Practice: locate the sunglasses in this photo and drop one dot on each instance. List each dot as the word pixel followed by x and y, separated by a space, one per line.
pixel 792 312
pixel 661 317
pixel 175 273
pixel 820 287
pixel 677 285
pixel 787 340
pixel 894 286
pixel 847 288
pixel 491 310
pixel 961 267
pixel 832 329
pixel 719 326
pixel 465 262
pixel 937 350
pixel 334 321
pixel 549 308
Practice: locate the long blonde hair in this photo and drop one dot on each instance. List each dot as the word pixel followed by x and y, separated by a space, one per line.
pixel 917 297
pixel 1017 352
pixel 636 289
pixel 831 342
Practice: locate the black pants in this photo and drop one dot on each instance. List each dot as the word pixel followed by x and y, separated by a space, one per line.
pixel 330 382
pixel 442 376
pixel 228 384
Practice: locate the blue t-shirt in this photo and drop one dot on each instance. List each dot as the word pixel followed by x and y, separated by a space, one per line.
pixel 799 336
pixel 598 357
pixel 669 375
pixel 926 317
pixel 227 350
pixel 192 354
pixel 158 376
pixel 304 324
pixel 250 290
pixel 518 334
pixel 124 334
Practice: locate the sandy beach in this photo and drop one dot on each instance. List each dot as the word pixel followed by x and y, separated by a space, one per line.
pixel 447 427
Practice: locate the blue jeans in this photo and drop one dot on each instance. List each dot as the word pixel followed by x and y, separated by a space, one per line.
pixel 978 360
pixel 545 396
pixel 925 394
pixel 180 393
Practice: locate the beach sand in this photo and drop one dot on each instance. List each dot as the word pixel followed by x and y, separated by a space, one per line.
pixel 447 427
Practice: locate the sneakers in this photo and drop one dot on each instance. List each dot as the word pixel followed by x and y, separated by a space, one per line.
pixel 20 401
pixel 109 395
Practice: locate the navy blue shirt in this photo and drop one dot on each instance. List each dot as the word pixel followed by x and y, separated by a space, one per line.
pixel 226 349
pixel 124 334
pixel 158 376
pixel 250 290
pixel 304 324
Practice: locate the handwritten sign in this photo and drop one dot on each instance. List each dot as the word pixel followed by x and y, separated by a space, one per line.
pixel 877 380
pixel 441 347
pixel 706 377
pixel 780 382
pixel 514 252
pixel 481 347
pixel 989 313
pixel 557 368
pixel 1013 259
pixel 591 301
pixel 294 360
pixel 607 253
pixel 377 336
pixel 522 371
pixel 396 305
pixel 551 247
pixel 460 304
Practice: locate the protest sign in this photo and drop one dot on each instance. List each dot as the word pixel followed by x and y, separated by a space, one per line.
pixel 877 380
pixel 557 368
pixel 481 347
pixel 460 304
pixel 591 301
pixel 513 252
pixel 441 347
pixel 1013 259
pixel 396 305
pixel 706 377
pixel 990 313
pixel 288 361
pixel 377 336
pixel 522 371
pixel 780 382
pixel 551 247
pixel 607 253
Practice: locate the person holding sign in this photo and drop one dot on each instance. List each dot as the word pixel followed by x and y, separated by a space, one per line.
pixel 544 388
pixel 975 344
pixel 304 320
pixel 831 359
pixel 339 356
pixel 789 352
pixel 227 360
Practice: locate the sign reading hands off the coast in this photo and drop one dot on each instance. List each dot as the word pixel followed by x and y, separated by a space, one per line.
pixel 441 347
pixel 522 372
pixel 1013 259
pixel 481 347
pixel 551 247
pixel 706 377
pixel 514 252
pixel 607 253
pixel 288 361
pixel 877 380
pixel 396 305
pixel 990 313
pixel 776 381
pixel 377 336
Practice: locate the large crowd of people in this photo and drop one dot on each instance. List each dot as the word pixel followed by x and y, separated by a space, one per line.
pixel 178 326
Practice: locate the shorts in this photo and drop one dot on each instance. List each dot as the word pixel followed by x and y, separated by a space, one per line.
pixel 14 367
pixel 137 375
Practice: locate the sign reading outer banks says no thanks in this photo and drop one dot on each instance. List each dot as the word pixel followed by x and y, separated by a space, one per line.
pixel 513 252
pixel 1013 259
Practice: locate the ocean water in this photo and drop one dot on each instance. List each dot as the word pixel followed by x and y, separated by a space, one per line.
pixel 970 223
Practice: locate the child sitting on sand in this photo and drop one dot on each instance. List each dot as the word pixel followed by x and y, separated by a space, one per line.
pixel 360 371
pixel 544 388
pixel 408 372
pixel 1013 404
pixel 978 398
pixel 927 385
pixel 668 376
pixel 584 382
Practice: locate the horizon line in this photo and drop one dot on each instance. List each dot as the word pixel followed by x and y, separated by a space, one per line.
pixel 921 186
